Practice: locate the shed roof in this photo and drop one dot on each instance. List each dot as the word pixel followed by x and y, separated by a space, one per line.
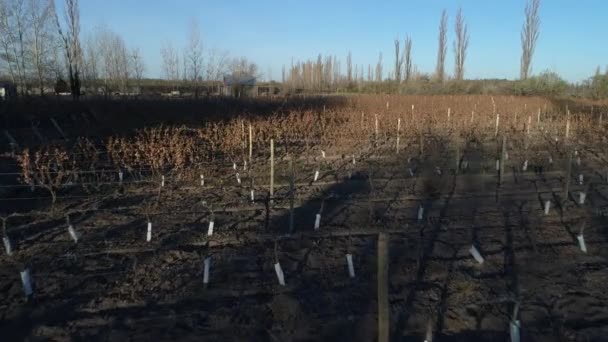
pixel 244 80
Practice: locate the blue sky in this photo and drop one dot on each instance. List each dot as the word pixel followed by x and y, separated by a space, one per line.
pixel 573 39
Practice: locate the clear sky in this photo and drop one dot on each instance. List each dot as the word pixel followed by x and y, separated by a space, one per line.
pixel 573 40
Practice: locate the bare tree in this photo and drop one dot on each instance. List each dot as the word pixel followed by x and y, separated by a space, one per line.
pixel 241 68
pixel 319 69
pixel 407 52
pixel 115 60
pixel 336 73
pixel 442 47
pixel 460 45
pixel 283 74
pixel 42 39
pixel 327 72
pixel 193 57
pixel 379 68
pixel 349 67
pixel 529 36
pixel 216 65
pixel 13 34
pixel 70 36
pixel 137 66
pixel 56 63
pixel 6 41
pixel 398 63
pixel 170 63
pixel 90 63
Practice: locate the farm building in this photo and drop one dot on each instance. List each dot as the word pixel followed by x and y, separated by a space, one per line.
pixel 240 85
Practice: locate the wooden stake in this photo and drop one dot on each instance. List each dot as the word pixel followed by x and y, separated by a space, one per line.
pixel 383 307
pixel 250 144
pixel 271 170
pixel 449 114
pixel 457 161
pixel 568 176
pixel 502 160
pixel 398 131
pixel 376 129
pixel 421 145
pixel 291 195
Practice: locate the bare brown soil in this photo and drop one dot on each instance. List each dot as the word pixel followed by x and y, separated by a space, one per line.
pixel 113 285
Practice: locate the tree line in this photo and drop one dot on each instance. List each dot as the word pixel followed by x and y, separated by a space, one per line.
pixel 40 47
pixel 324 73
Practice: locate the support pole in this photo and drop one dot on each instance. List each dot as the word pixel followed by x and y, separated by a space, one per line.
pixel 250 144
pixel 291 195
pixel 502 160
pixel 383 308
pixel 271 170
pixel 568 176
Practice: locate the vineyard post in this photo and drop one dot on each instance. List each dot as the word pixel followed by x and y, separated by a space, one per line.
pixel 277 266
pixel 398 133
pixel 497 123
pixel 291 194
pixel 5 239
pixel 206 267
pixel 568 175
pixel 71 229
pixel 383 307
pixel 568 125
pixel 243 136
pixel 457 160
pixel 26 281
pixel 412 120
pixel 475 254
pixel 362 121
pixel 252 187
pixel 211 221
pixel 502 160
pixel 449 114
pixel 429 331
pixel 376 130
pixel 250 144
pixel 514 324
pixel 351 267
pixel 547 207
pixel 581 238
pixel 370 203
pixel 271 170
